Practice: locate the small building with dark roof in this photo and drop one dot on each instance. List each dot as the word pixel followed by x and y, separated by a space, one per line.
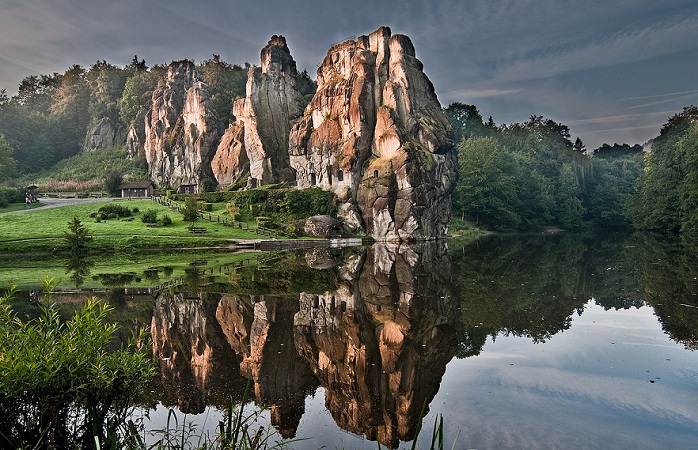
pixel 137 189
pixel 188 188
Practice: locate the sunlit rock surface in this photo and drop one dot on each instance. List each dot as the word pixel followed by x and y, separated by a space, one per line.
pixel 262 123
pixel 180 131
pixel 375 134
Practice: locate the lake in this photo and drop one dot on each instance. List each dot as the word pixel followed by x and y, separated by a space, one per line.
pixel 525 341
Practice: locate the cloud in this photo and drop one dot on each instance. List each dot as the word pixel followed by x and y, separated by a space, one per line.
pixel 671 36
pixel 480 93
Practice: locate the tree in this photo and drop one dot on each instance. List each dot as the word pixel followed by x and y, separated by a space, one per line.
pixel 70 112
pixel 112 182
pixel 466 122
pixel 106 83
pixel 486 192
pixel 8 166
pixel 77 238
pixel 136 94
pixel 225 83
pixel 190 213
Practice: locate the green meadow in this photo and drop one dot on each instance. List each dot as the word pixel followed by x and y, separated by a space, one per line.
pixel 41 230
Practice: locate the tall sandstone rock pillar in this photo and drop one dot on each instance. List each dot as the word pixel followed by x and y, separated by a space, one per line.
pixel 258 138
pixel 180 132
pixel 375 134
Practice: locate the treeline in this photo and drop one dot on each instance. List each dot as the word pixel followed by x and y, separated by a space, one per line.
pixel 530 175
pixel 48 119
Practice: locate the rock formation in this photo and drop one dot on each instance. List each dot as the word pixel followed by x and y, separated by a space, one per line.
pixel 180 132
pixel 105 134
pixel 375 134
pixel 262 122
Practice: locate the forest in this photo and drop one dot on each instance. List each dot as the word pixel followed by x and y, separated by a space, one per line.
pixel 512 177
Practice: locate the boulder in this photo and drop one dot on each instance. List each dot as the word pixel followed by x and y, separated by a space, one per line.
pixel 105 134
pixel 322 226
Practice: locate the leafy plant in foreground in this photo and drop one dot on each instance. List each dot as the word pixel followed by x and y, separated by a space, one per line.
pixel 59 386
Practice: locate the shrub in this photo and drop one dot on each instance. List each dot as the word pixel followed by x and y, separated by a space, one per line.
pixel 113 210
pixel 166 220
pixel 136 210
pixel 149 216
pixel 94 388
pixel 204 206
pixel 112 182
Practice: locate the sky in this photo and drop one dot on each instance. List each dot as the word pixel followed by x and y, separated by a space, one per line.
pixel 612 71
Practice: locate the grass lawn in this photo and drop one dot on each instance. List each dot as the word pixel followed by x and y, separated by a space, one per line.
pixel 42 229
pixel 13 207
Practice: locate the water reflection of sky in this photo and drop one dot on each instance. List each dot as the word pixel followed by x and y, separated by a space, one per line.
pixel 613 380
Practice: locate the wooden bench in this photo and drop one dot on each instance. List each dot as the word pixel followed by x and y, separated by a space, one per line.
pixel 194 229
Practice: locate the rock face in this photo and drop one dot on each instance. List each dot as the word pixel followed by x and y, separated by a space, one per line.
pixel 180 132
pixel 106 134
pixel 375 134
pixel 262 122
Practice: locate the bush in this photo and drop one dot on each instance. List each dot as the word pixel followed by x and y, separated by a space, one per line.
pixel 65 368
pixel 204 206
pixel 136 210
pixel 113 210
pixel 166 220
pixel 149 216
pixel 11 195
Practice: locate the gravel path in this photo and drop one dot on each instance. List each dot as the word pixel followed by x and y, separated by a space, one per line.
pixel 51 202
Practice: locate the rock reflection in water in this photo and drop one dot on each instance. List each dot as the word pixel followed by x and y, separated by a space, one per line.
pixel 378 341
pixel 197 367
pixel 379 344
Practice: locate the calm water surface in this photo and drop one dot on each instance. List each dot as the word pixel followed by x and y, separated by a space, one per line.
pixel 517 342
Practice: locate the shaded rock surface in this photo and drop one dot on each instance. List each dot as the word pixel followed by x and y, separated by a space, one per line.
pixel 322 226
pixel 105 134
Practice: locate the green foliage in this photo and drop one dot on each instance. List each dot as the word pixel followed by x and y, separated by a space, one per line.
pixel 149 216
pixel 667 192
pixel 306 86
pixel 137 93
pixel 497 188
pixel 112 182
pixel 528 175
pixel 94 167
pixel 59 385
pixel 466 122
pixel 225 83
pixel 209 184
pixel 166 220
pixel 114 210
pixel 204 206
pixel 233 210
pixel 77 238
pixel 8 165
pixel 281 203
pixel 190 212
